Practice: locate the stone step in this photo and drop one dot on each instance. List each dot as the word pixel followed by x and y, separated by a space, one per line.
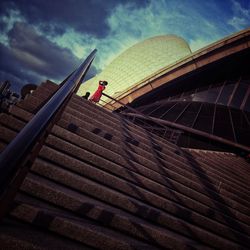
pixel 79 101
pixel 11 122
pixel 162 170
pixel 226 164
pixel 47 190
pixel 236 197
pixel 17 235
pixel 195 169
pixel 117 155
pixel 42 93
pixel 139 176
pixel 111 124
pixel 113 218
pixel 31 104
pixel 105 183
pixel 21 114
pixel 117 120
pixel 69 118
pixel 99 110
pixel 6 134
pixel 50 85
pixel 112 118
pixel 80 230
pixel 148 198
pixel 220 212
pixel 171 159
pixel 206 166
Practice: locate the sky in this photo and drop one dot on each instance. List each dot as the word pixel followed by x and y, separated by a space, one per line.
pixel 42 40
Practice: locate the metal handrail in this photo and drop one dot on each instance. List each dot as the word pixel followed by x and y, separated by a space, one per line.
pixel 193 131
pixel 141 115
pixel 167 124
pixel 21 145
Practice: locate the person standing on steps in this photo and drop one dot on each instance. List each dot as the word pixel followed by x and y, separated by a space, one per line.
pixel 98 93
pixel 86 96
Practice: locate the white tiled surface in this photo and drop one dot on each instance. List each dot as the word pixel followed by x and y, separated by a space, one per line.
pixel 138 62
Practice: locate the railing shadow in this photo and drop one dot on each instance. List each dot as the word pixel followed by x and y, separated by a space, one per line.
pixel 212 192
pixel 147 212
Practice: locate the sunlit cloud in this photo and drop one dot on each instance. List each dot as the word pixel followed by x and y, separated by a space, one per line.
pixel 125 23
pixel 8 21
pixel 241 16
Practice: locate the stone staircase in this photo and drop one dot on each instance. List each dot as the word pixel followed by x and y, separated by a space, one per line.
pixel 101 182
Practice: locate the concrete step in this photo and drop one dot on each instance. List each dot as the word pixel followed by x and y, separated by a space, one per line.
pixel 224 163
pixel 174 162
pixel 157 169
pixel 111 178
pixel 42 93
pixel 78 101
pixel 21 114
pixel 6 134
pixel 234 166
pixel 88 108
pixel 196 169
pixel 106 183
pixel 33 102
pixel 50 85
pixel 205 166
pixel 17 235
pixel 140 176
pixel 116 154
pixel 11 122
pixel 118 220
pixel 151 200
pixel 49 191
pixel 82 231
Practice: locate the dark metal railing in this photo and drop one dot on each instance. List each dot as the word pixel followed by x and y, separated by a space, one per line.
pixel 21 145
pixel 145 121
pixel 173 129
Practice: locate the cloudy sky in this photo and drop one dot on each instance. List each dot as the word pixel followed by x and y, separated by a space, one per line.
pixel 42 40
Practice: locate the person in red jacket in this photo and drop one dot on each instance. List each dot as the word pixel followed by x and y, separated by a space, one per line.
pixel 98 93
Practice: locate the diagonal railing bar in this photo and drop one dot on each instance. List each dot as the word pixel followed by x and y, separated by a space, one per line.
pixel 21 145
pixel 194 131
pixel 132 109
pixel 144 117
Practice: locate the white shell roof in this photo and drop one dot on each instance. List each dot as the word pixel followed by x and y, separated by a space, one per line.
pixel 138 62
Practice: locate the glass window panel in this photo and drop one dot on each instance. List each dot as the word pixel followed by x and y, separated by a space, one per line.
pixel 149 109
pixel 225 94
pixel 159 111
pixel 202 88
pixel 172 114
pixel 222 126
pixel 247 105
pixel 207 96
pixel 189 115
pixel 239 95
pixel 205 118
pixel 239 120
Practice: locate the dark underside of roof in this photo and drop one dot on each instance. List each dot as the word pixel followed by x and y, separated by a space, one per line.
pixel 213 101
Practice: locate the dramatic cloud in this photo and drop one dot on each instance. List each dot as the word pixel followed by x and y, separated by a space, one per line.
pixel 47 40
pixel 241 15
pixel 33 58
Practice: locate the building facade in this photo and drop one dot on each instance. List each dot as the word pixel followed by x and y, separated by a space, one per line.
pixel 205 95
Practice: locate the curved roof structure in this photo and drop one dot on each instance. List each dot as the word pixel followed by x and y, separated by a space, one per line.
pixel 139 62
